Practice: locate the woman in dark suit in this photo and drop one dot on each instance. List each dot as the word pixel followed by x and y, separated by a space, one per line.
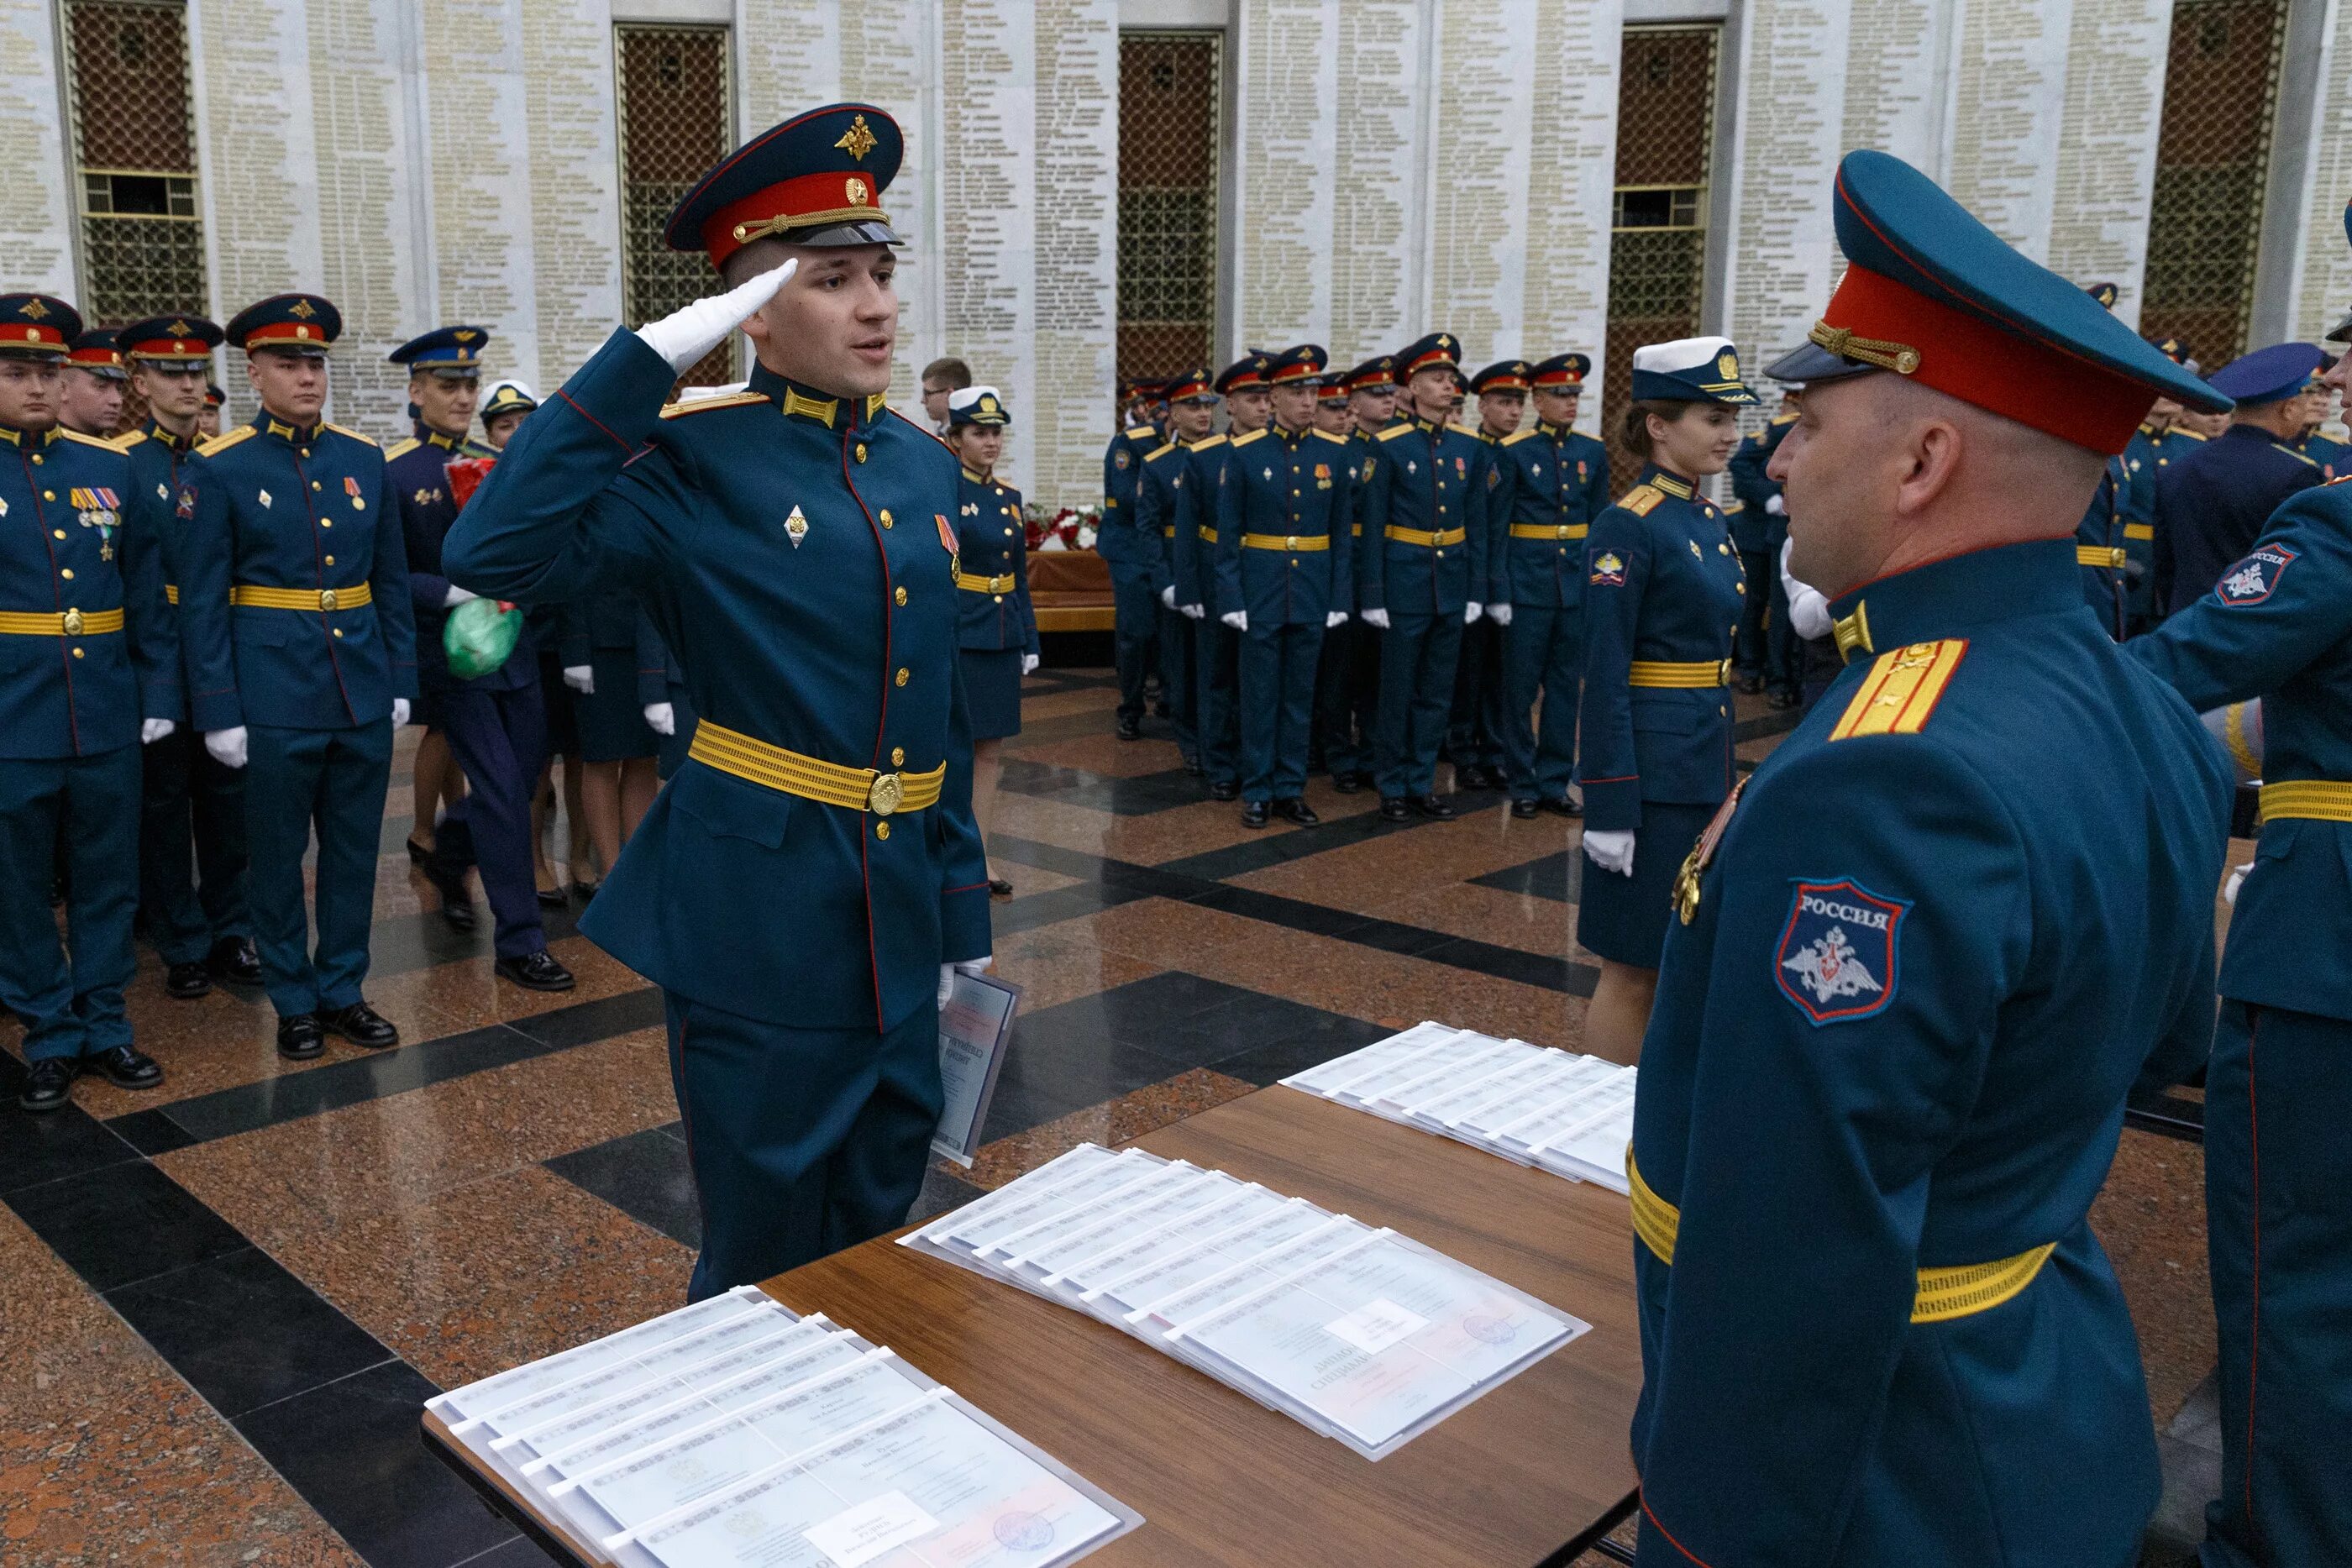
pixel 997 629
pixel 615 665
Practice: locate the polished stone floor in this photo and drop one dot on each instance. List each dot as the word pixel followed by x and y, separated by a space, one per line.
pixel 223 1301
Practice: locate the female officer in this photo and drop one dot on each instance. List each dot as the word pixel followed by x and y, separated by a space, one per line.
pixel 1663 593
pixel 996 627
pixel 615 663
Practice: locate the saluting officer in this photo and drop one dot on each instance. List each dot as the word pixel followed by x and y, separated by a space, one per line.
pixel 1283 578
pixel 197 919
pixel 1550 483
pixel 1216 671
pixel 302 654
pixel 1421 564
pixel 95 381
pixel 1767 653
pixel 1165 510
pixel 2210 505
pixel 495 723
pixel 89 670
pixel 796 543
pixel 1348 682
pixel 996 629
pixel 1918 961
pixel 1474 729
pixel 1133 558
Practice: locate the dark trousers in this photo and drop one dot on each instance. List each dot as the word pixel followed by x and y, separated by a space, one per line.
pixel 1751 646
pixel 185 795
pixel 1277 681
pixel 2278 1219
pixel 500 738
pixel 1784 651
pixel 1472 735
pixel 803 1141
pixel 1417 657
pixel 333 781
pixel 1176 659
pixel 1543 652
pixel 68 997
pixel 1216 690
pixel 1346 696
pixel 1135 627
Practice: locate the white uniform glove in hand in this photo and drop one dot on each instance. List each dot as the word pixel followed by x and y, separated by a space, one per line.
pixel 1332 618
pixel 399 712
pixel 1611 852
pixel 1168 596
pixel 683 336
pixel 1194 612
pixel 1376 617
pixel 1029 663
pixel 152 731
pixel 228 745
pixel 947 973
pixel 1238 620
pixel 1808 613
pixel 1471 612
pixel 1775 505
pixel 661 718
pixel 456 596
pixel 581 678
pixel 1500 614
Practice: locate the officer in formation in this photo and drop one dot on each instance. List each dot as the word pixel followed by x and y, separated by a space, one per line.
pixel 1283 576
pixel 495 722
pixel 2135 474
pixel 1348 682
pixel 1216 671
pixel 2211 503
pixel 1919 960
pixel 94 385
pixel 1133 558
pixel 503 411
pixel 795 543
pixel 301 657
pixel 209 422
pixel 996 626
pixel 192 904
pixel 1331 404
pixel 1475 732
pixel 1770 656
pixel 1164 513
pixel 1546 485
pixel 90 671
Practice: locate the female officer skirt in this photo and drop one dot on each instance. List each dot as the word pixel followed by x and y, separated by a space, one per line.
pixel 991 691
pixel 1624 918
pixel 612 721
pixel 563 726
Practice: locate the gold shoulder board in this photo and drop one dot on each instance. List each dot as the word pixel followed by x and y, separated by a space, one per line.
pixel 1901 690
pixel 704 405
pixel 1641 498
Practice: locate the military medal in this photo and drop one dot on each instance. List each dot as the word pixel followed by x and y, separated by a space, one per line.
pixel 1695 864
pixel 796 527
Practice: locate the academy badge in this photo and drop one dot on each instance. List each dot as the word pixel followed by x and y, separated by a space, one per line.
pixel 187 504
pixel 2256 578
pixel 1837 955
pixel 1608 569
pixel 796 527
pixel 1120 459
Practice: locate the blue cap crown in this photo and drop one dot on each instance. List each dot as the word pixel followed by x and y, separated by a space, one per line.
pixel 445 350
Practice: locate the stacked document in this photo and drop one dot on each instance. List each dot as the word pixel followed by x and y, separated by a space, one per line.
pixel 1349 1328
pixel 732 1432
pixel 1570 1114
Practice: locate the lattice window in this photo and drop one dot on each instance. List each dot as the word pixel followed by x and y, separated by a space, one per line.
pixel 2212 161
pixel 142 239
pixel 676 114
pixel 1169 105
pixel 1657 251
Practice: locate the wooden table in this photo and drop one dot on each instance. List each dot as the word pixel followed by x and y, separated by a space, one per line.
pixel 1532 1473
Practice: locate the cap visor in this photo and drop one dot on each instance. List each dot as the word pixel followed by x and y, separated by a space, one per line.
pixel 867 231
pixel 1811 362
pixel 2341 331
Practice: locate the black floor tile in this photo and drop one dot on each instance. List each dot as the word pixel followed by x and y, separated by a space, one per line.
pixel 585 1023
pixel 1058 1075
pixel 520 1553
pixel 1270 849
pixel 1135 1013
pixel 1139 795
pixel 294 1095
pixel 645 1176
pixel 125 1223
pixel 1502 963
pixel 151 1132
pixel 54 1146
pixel 353 1448
pixel 1253 1028
pixel 243 1332
pixel 1295 1052
pixel 1296 913
pixel 1059 904
pixel 1555 876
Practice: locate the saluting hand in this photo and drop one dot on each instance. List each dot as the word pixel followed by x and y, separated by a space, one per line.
pixel 683 336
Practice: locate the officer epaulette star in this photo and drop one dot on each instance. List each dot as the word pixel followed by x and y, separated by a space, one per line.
pixel 402 447
pixel 355 436
pixel 1334 440
pixel 704 405
pixel 1901 690
pixel 109 444
pixel 224 440
pixel 1641 498
pixel 1245 440
pixel 1519 435
pixel 1393 432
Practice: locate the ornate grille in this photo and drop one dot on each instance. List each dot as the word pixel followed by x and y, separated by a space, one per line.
pixel 674 120
pixel 142 241
pixel 1169 90
pixel 2212 159
pixel 1657 251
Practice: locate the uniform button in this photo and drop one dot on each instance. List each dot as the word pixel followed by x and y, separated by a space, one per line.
pixel 48 494
pixel 885 516
pixel 997 599
pixel 1722 549
pixel 860 453
pixel 76 653
pixel 331 561
pixel 900 596
pixel 1008 533
pixel 67 574
pixel 1441 555
pixel 314 484
pixel 898 756
pixel 1740 586
pixel 339 631
pixel 37 459
pixel 60 532
pixel 881 830
pixel 902 677
pixel 326 523
pixel 306 451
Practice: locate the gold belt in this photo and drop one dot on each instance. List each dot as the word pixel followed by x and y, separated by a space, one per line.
pixel 1169 532
pixel 323 600
pixel 1286 542
pixel 971 584
pixel 1957 1291
pixel 1425 539
pixel 1550 531
pixel 828 783
pixel 1660 673
pixel 2098 555
pixel 171 594
pixel 1208 536
pixel 71 623
pixel 2139 530
pixel 2309 800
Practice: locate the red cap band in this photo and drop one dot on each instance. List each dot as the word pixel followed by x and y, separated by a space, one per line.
pixel 801 202
pixel 108 358
pixel 276 332
pixel 1561 378
pixel 1299 370
pixel 170 349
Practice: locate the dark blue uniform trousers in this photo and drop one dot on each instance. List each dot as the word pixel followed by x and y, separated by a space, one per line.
pixel 1135 609
pixel 498 740
pixel 1752 653
pixel 803 1141
pixel 1474 731
pixel 1346 696
pixel 69 998
pixel 1176 659
pixel 1784 651
pixel 334 780
pixel 1277 671
pixel 2278 1212
pixel 1417 658
pixel 185 795
pixel 1216 688
pixel 1543 650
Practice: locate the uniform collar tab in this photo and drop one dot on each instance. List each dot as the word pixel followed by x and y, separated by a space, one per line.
pixel 22 438
pixel 270 424
pixel 429 436
pixel 805 403
pixel 156 432
pixel 976 478
pixel 1547 428
pixel 1949 597
pixel 1672 483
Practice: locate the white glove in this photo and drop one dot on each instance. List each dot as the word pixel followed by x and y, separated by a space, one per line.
pixel 2237 877
pixel 1194 612
pixel 1376 617
pixel 947 973
pixel 661 718
pixel 399 712
pixel 1500 614
pixel 1809 612
pixel 1471 612
pixel 1168 596
pixel 1332 618
pixel 1238 620
pixel 581 678
pixel 683 336
pixel 1611 852
pixel 1776 507
pixel 228 745
pixel 152 731
pixel 456 596
pixel 1028 663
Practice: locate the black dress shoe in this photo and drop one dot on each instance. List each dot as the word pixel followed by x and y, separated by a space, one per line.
pixel 1472 775
pixel 233 961
pixel 533 972
pixel 1747 686
pixel 1128 730
pixel 362 1025
pixel 1431 806
pixel 1347 783
pixel 999 888
pixel 1783 699
pixel 128 1066
pixel 1191 764
pixel 419 855
pixel 299 1038
pixel 1224 790
pixel 459 912
pixel 1394 808
pixel 48 1083
pixel 1297 811
pixel 1524 810
pixel 1254 813
pixel 1565 806
pixel 551 898
pixel 187 981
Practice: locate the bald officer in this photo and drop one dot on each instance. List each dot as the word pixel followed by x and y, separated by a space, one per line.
pixel 1920 960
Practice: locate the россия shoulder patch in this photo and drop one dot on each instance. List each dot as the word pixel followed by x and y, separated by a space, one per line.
pixel 2254 579
pixel 1840 951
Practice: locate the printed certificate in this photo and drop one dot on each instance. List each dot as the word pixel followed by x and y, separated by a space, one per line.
pixel 975 1027
pixel 686 1384
pixel 549 1371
